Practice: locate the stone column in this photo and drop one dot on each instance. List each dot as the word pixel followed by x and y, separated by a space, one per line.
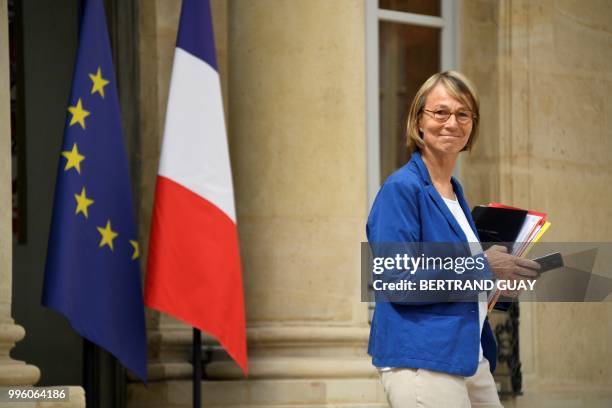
pixel 293 74
pixel 297 138
pixel 12 372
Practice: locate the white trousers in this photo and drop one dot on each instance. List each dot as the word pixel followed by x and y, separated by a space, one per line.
pixel 412 388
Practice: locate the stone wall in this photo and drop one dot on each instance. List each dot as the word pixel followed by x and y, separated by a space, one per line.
pixel 543 69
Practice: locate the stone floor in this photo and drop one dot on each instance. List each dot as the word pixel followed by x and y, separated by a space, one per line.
pixel 561 399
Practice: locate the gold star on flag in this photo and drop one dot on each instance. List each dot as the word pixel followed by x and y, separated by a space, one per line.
pixel 82 203
pixel 107 235
pixel 98 83
pixel 136 253
pixel 78 114
pixel 74 158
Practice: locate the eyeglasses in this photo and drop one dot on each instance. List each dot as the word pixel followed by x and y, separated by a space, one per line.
pixel 442 115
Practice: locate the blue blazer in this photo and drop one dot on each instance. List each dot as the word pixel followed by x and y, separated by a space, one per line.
pixel 439 336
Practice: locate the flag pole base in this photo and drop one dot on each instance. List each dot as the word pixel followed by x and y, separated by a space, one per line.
pixel 197 368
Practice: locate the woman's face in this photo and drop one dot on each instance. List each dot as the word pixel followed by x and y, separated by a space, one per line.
pixel 448 137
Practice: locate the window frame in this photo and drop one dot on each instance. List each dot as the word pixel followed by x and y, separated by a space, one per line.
pixel 449 59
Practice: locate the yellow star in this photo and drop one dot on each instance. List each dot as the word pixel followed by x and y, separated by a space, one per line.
pixel 74 159
pixel 98 83
pixel 82 203
pixel 107 235
pixel 136 253
pixel 78 114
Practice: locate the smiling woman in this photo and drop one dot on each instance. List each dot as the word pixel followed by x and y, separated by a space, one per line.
pixel 450 353
pixel 443 97
pixel 442 122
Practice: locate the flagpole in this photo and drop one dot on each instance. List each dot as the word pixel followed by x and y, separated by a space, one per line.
pixel 91 373
pixel 197 367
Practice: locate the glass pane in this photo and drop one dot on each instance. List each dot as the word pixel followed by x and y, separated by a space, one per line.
pixel 429 7
pixel 408 56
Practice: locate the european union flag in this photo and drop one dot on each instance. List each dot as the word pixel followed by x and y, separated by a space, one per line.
pixel 92 274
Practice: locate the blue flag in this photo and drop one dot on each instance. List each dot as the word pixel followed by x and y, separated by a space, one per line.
pixel 92 275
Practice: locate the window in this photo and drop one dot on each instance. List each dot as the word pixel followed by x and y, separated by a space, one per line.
pixel 406 42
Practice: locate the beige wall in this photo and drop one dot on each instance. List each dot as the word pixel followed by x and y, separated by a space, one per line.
pixel 479 61
pixel 543 68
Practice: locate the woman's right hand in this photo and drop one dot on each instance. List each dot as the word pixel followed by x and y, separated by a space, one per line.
pixel 507 266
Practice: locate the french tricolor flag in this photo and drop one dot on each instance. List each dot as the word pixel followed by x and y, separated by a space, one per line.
pixel 193 271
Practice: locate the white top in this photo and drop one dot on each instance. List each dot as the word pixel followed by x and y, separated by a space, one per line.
pixel 476 248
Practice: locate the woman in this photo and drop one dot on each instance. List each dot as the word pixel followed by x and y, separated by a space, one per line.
pixel 436 354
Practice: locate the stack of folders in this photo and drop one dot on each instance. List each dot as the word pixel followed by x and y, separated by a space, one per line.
pixel 515 228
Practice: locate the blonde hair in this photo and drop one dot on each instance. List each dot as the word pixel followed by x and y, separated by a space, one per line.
pixel 459 87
